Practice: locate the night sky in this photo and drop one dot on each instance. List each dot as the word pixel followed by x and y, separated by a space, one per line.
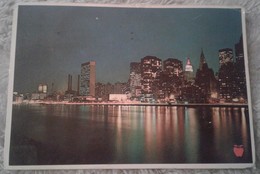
pixel 53 42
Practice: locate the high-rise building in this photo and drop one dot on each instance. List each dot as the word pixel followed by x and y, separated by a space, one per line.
pixel 188 66
pixel 69 88
pixel 188 73
pixel 225 56
pixel 69 83
pixel 70 92
pixel 100 90
pixel 42 88
pixel 78 85
pixel 135 67
pixel 135 78
pixel 205 79
pixel 239 50
pixel 88 78
pixel 240 74
pixel 170 79
pixel 226 81
pixel 151 67
pixel 173 66
pixel 202 60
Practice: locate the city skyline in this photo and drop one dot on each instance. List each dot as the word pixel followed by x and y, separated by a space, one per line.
pixel 54 47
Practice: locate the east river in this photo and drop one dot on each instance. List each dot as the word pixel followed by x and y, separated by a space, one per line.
pixel 44 134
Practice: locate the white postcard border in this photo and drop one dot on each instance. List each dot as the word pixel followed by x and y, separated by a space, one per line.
pixel 121 166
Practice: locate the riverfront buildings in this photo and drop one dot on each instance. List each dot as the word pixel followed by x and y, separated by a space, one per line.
pixel 155 80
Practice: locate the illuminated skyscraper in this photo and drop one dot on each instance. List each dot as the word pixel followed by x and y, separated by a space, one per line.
pixel 225 56
pixel 88 78
pixel 226 76
pixel 188 73
pixel 135 78
pixel 188 66
pixel 240 74
pixel 42 88
pixel 173 66
pixel 151 67
pixel 170 79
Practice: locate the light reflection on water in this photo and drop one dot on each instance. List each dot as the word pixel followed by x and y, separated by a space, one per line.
pixel 84 134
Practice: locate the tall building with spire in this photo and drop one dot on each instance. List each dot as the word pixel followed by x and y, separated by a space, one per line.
pixel 202 60
pixel 188 73
pixel 205 79
pixel 240 74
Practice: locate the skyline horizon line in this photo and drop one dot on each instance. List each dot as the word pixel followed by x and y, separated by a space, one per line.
pixel 162 60
pixel 106 82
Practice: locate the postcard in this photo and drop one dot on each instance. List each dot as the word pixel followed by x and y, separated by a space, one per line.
pixel 113 86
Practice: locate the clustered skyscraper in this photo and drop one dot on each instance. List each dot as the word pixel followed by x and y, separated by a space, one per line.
pixel 232 77
pixel 153 80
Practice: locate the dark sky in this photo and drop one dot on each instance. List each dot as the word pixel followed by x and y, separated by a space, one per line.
pixel 53 41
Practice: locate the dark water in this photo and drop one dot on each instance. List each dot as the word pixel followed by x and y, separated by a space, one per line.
pixel 81 134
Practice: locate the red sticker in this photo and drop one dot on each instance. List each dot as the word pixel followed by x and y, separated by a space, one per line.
pixel 238 150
